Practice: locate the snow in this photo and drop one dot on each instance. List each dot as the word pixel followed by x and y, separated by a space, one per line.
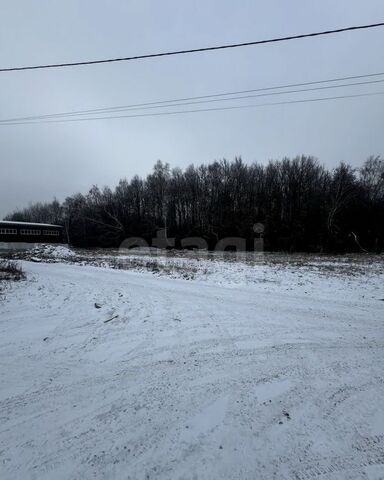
pixel 10 222
pixel 45 252
pixel 242 372
pixel 53 251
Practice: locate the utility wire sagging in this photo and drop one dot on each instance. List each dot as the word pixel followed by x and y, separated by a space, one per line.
pixel 194 50
pixel 209 98
pixel 178 112
pixel 234 96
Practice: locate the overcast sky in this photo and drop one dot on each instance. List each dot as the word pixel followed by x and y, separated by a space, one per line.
pixel 41 161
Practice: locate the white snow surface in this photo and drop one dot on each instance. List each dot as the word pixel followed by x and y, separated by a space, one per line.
pixel 280 377
pixel 54 251
pixel 11 222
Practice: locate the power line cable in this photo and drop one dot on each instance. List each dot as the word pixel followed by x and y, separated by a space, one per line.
pixel 205 99
pixel 194 50
pixel 235 107
pixel 276 87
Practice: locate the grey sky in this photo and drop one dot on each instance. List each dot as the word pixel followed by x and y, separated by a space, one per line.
pixel 42 161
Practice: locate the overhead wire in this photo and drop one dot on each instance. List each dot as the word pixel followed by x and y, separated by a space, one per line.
pixel 205 98
pixel 192 50
pixel 178 112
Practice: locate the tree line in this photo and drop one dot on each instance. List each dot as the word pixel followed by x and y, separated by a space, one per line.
pixel 302 205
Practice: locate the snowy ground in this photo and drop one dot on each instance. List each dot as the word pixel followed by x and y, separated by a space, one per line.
pixel 243 372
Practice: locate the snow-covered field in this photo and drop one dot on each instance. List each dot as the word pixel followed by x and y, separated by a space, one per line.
pixel 241 371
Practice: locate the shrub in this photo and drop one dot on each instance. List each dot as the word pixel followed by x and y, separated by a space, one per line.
pixel 10 270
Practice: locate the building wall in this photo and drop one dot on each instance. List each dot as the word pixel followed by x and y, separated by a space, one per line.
pixel 30 234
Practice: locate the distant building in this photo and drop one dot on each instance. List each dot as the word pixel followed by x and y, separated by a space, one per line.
pixel 23 235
